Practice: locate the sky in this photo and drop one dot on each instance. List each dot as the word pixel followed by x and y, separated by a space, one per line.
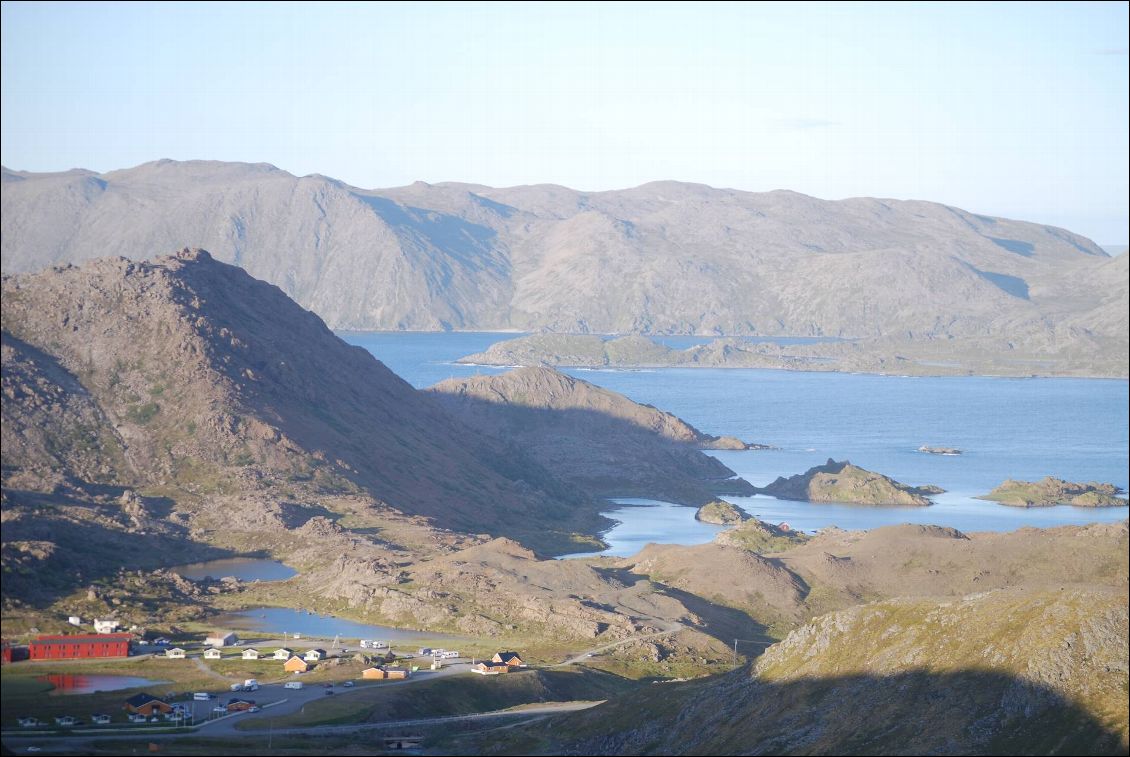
pixel 1011 109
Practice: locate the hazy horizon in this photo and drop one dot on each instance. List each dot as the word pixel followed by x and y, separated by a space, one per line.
pixel 1020 112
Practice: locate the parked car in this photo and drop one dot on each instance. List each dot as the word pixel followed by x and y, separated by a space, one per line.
pixel 329 692
pixel 348 684
pixel 256 708
pixel 219 708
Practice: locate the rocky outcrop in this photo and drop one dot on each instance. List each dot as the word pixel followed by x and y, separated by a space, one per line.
pixel 597 439
pixel 844 482
pixel 939 450
pixel 1049 491
pixel 720 513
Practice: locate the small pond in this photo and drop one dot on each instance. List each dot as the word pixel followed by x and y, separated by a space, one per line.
pixel 79 683
pixel 243 568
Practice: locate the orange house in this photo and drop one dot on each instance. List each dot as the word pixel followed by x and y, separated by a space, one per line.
pixel 510 659
pixel 296 665
pixel 394 674
pixel 373 674
pixel 490 668
pixel 147 705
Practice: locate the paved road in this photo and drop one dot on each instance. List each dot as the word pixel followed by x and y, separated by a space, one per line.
pixel 78 742
pixel 669 627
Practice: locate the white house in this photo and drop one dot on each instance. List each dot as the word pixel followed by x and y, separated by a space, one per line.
pixel 212 654
pixel 221 639
pixel 176 653
pixel 105 626
pixel 253 654
pixel 284 654
pixel 75 620
pixel 99 719
pixel 28 722
pixel 313 655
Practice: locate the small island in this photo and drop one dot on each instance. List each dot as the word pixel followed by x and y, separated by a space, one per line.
pixel 843 482
pixel 939 450
pixel 1049 492
pixel 720 513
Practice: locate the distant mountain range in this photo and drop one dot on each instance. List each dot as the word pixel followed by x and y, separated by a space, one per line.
pixel 665 257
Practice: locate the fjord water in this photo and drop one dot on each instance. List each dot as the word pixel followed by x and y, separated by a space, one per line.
pixel 1075 429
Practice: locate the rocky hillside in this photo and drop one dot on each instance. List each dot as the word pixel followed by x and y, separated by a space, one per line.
pixel 665 257
pixel 843 482
pixel 1028 673
pixel 212 393
pixel 597 439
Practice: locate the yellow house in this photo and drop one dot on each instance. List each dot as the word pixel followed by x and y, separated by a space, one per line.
pixel 296 665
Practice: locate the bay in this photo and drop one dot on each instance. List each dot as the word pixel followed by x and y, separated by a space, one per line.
pixel 1021 428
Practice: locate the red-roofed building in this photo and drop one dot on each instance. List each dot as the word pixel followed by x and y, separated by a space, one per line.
pixel 80 645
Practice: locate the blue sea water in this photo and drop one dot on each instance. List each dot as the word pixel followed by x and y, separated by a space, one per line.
pixel 1075 429
pixel 283 620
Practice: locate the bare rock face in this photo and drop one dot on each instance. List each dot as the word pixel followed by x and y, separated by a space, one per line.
pixel 598 439
pixel 844 482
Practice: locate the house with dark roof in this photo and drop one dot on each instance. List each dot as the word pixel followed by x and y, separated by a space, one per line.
pixel 313 655
pixel 510 659
pixel 147 704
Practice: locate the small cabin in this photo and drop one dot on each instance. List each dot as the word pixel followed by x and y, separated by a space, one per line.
pixel 282 653
pixel 251 654
pixel 373 674
pixel 176 653
pixel 213 654
pixel 100 719
pixel 313 655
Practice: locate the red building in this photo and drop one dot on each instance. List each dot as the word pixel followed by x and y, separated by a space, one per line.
pixel 80 645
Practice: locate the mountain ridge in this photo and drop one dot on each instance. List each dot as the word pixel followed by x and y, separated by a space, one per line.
pixel 665 257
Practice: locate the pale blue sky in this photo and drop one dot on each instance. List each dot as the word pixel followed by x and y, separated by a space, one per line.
pixel 1013 109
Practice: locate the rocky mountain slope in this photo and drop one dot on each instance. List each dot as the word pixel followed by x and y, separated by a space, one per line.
pixel 213 394
pixel 665 257
pixel 595 438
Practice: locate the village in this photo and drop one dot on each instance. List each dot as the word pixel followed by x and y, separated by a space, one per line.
pixel 238 677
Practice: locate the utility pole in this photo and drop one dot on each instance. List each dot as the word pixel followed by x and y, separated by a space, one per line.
pixel 747 641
